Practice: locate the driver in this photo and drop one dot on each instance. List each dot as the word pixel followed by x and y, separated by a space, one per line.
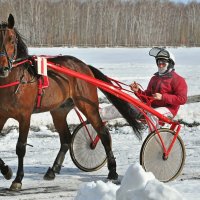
pixel 168 89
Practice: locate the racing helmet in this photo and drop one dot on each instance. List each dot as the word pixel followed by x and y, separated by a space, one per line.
pixel 162 53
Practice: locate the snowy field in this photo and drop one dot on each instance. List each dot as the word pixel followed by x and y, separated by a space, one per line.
pixel 126 65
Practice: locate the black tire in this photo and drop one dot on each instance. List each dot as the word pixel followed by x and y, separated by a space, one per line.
pixel 151 156
pixel 83 156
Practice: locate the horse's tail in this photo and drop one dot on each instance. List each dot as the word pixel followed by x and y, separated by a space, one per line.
pixel 126 110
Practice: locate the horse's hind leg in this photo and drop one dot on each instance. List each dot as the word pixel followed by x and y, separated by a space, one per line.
pixel 92 114
pixel 105 137
pixel 2 122
pixel 59 119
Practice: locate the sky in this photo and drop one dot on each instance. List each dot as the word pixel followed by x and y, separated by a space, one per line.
pixel 124 64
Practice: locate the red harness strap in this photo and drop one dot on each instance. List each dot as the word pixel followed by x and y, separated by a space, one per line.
pixel 40 92
pixel 43 81
pixel 10 84
pixel 16 82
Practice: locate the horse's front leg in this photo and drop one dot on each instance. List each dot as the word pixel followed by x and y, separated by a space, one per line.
pixel 5 170
pixel 24 125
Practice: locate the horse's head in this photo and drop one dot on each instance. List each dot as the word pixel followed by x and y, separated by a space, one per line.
pixel 8 46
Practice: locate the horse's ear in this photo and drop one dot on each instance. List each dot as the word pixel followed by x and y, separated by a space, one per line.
pixel 11 21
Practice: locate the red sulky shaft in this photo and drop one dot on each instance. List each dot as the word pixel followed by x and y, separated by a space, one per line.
pixel 108 88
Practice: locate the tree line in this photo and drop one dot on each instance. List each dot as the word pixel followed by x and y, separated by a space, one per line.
pixel 105 22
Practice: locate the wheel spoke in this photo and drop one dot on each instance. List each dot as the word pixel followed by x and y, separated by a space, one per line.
pixel 151 156
pixel 83 156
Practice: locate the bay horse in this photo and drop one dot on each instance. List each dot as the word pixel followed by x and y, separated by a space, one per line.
pixel 19 101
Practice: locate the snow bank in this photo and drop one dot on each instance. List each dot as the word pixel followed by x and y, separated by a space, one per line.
pixel 136 185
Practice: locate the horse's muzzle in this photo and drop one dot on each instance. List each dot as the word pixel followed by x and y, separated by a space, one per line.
pixel 4 72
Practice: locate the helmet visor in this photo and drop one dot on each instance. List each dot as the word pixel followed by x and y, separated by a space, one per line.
pixel 159 53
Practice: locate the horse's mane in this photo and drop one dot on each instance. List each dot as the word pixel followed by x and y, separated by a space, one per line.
pixel 22 49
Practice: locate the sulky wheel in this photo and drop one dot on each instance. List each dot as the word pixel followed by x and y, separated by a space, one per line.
pixel 83 155
pixel 151 156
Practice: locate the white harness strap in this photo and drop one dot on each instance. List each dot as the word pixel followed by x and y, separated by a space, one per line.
pixel 42 70
pixel 42 65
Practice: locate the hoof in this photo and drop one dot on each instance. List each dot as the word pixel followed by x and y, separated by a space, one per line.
pixel 16 186
pixel 112 175
pixel 7 173
pixel 50 175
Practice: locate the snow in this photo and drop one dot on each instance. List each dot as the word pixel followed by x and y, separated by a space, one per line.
pixel 97 190
pixel 127 65
pixel 136 185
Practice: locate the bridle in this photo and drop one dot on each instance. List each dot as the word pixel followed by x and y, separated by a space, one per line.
pixel 9 38
pixel 3 53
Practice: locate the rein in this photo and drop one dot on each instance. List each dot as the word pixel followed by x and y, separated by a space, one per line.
pixel 144 98
pixel 10 84
pixel 19 62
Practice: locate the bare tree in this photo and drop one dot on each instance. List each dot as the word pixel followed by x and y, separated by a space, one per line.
pixel 105 22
